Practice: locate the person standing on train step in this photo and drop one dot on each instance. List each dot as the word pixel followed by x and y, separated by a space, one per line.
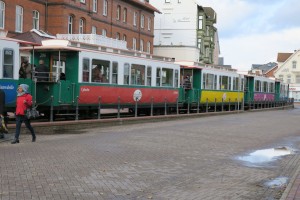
pixel 42 71
pixel 24 101
pixel 3 128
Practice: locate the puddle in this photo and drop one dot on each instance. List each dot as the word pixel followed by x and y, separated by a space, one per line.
pixel 277 182
pixel 265 155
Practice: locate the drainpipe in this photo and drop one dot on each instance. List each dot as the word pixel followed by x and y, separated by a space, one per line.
pixel 111 19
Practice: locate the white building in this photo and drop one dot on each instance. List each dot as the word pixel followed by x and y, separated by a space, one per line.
pixel 185 31
pixel 289 71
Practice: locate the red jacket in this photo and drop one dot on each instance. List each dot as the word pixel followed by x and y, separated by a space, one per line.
pixel 23 102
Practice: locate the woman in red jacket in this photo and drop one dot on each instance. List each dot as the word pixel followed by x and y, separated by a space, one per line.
pixel 24 101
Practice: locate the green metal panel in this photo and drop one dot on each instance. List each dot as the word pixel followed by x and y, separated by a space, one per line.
pixel 249 93
pixel 277 91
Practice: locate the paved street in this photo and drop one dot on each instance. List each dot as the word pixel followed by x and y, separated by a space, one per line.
pixel 186 159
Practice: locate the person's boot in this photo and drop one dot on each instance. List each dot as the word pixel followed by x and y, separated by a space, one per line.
pixel 15 141
pixel 1 135
pixel 33 138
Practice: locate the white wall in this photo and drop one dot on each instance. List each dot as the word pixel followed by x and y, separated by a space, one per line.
pixel 177 24
pixel 179 53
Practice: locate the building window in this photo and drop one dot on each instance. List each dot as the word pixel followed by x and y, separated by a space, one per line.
pixel 200 22
pixel 2 14
pixel 82 1
pixel 104 32
pixel 124 37
pixel 280 77
pixel 95 3
pixel 148 47
pixel 199 43
pixel 118 12
pixel 105 4
pixel 142 21
pixel 81 26
pixel 36 19
pixel 294 64
pixel 125 15
pixel 179 1
pixel 70 24
pixel 289 79
pixel 118 36
pixel 141 45
pixel 134 18
pixel 149 23
pixel 167 1
pixel 94 30
pixel 8 63
pixel 134 44
pixel 19 19
pixel 297 78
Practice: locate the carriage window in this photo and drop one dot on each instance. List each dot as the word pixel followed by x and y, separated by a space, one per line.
pixel 257 86
pixel 137 74
pixel 265 86
pixel 126 74
pixel 235 83
pixel 208 81
pixel 100 71
pixel 167 77
pixel 158 77
pixel 8 63
pixel 115 73
pixel 149 70
pixel 85 70
pixel 176 78
pixel 271 87
pixel 242 84
pixel 224 82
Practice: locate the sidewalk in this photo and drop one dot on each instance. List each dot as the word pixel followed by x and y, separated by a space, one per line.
pixel 292 191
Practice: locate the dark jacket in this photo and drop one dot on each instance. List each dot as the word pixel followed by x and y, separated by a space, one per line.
pixel 2 102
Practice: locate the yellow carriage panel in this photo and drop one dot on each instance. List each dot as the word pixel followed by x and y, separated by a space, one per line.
pixel 227 96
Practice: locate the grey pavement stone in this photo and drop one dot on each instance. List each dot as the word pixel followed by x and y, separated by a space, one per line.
pixel 181 159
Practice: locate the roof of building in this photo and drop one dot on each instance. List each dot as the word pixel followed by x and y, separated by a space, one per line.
pixel 34 36
pixel 144 4
pixel 264 67
pixel 282 57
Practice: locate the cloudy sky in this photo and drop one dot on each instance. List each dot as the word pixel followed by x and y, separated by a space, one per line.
pixel 254 31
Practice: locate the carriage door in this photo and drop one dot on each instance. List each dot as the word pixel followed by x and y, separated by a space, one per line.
pixel 65 88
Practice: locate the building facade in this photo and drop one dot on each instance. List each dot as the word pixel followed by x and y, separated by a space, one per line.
pixel 289 72
pixel 185 31
pixel 131 21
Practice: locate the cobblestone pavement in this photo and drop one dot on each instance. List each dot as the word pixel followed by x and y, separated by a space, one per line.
pixel 187 159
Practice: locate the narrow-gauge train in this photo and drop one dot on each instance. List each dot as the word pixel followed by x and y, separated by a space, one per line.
pixel 89 77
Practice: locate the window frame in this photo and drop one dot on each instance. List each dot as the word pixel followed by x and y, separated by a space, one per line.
pixel 95 6
pixel 70 24
pixel 105 7
pixel 36 19
pixel 19 18
pixel 7 65
pixel 2 14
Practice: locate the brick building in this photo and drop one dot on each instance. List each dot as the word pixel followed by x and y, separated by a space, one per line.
pixel 129 20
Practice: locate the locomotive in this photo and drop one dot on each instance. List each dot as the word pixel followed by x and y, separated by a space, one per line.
pixel 85 77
